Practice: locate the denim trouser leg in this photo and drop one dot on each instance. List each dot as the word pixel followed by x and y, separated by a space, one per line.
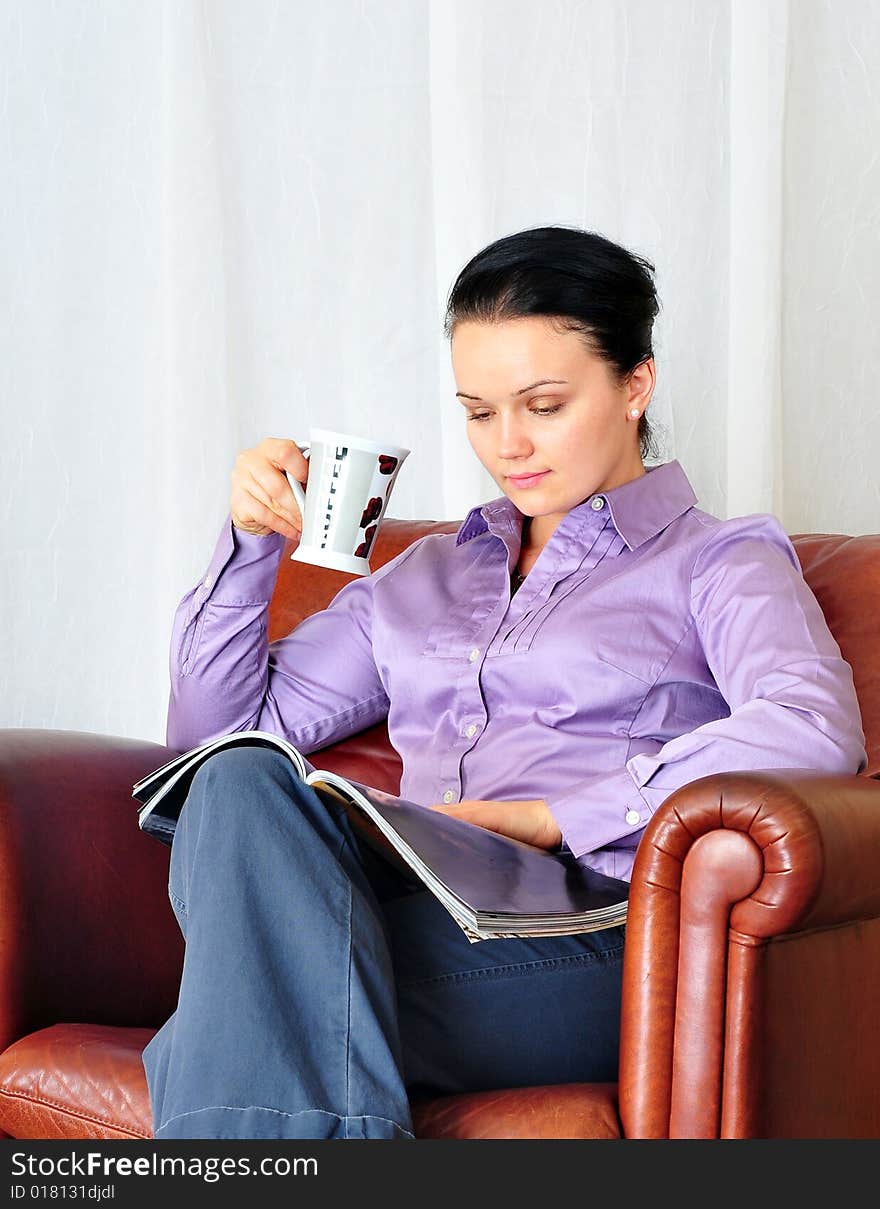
pixel 285 1025
pixel 517 1012
pixel 319 991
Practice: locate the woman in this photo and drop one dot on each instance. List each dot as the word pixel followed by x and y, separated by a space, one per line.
pixel 584 645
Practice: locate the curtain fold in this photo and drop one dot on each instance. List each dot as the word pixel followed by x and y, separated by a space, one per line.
pixel 758 59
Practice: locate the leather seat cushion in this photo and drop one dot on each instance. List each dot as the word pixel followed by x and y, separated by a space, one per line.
pixel 76 1081
pixel 87 1081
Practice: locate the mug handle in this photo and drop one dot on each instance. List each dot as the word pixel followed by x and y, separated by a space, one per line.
pixel 305 450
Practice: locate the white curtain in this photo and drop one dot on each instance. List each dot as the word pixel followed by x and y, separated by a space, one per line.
pixel 230 219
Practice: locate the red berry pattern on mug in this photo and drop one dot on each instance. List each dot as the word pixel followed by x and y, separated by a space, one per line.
pixel 387 463
pixel 364 548
pixel 371 512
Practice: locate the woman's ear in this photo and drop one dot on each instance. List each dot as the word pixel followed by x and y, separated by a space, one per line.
pixel 641 385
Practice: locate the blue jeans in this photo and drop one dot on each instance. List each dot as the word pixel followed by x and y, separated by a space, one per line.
pixel 321 989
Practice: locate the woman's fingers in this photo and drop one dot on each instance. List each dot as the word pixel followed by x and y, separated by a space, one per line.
pixel 271 488
pixel 255 509
pixel 261 499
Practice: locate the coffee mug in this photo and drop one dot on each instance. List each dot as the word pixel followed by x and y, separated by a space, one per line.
pixel 350 481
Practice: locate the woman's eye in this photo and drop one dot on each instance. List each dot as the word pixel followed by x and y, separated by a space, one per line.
pixel 536 411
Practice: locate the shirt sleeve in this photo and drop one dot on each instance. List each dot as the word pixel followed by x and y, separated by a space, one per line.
pixel 790 692
pixel 315 686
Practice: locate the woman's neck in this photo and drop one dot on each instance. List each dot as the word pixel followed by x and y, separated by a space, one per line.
pixel 531 541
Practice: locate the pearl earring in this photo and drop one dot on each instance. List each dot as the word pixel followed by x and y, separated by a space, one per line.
pixel 635 413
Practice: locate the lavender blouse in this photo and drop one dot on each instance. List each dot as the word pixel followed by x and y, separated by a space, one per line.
pixel 650 644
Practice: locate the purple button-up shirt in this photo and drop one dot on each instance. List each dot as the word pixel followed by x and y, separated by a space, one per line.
pixel 650 644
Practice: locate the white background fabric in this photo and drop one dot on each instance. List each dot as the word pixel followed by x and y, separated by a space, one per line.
pixel 224 220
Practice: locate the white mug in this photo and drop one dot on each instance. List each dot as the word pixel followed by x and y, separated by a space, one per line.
pixel 350 480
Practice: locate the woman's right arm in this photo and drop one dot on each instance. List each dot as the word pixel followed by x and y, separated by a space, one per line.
pixel 313 686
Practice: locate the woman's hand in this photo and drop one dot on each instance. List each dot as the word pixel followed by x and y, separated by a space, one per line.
pixel 529 821
pixel 261 500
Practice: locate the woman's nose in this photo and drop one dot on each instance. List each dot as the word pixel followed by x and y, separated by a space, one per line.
pixel 513 441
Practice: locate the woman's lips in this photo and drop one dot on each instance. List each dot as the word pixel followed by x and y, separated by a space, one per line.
pixel 528 480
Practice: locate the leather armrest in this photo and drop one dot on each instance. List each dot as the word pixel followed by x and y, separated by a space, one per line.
pixel 86 931
pixel 729 867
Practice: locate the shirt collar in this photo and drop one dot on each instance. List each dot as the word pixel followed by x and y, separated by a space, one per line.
pixel 639 509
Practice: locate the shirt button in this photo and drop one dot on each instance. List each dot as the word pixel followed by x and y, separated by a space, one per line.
pixel 474 655
pixel 633 817
pixel 207 581
pixel 472 730
pixel 448 796
pixel 597 503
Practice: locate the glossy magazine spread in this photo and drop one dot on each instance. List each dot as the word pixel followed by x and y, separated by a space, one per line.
pixel 491 884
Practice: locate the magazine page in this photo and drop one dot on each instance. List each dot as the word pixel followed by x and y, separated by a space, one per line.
pixel 490 873
pixel 158 784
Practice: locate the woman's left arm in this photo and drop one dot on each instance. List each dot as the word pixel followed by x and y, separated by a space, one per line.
pixel 790 692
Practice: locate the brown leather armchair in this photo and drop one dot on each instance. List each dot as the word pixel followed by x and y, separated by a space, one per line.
pixel 751 998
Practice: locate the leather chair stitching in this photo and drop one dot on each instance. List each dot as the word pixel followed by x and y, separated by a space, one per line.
pixel 79 1116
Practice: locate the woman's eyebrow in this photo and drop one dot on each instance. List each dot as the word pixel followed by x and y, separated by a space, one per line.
pixel 543 382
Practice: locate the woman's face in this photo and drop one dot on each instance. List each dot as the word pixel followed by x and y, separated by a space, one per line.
pixel 574 431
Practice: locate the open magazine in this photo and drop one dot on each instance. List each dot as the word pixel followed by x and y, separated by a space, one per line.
pixel 490 884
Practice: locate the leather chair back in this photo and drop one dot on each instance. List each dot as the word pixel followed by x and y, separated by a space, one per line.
pixel 844 573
